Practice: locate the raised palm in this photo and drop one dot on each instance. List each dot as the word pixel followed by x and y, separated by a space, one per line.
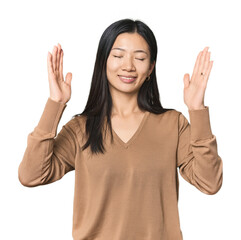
pixel 60 89
pixel 194 88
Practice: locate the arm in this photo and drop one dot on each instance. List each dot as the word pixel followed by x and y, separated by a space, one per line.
pixel 48 158
pixel 197 156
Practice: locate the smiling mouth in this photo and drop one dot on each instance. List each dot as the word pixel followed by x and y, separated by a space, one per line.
pixel 127 79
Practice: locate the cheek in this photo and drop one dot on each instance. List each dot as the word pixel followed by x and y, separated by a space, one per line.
pixel 112 66
pixel 144 69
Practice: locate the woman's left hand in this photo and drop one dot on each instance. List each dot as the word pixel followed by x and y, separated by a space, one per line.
pixel 194 89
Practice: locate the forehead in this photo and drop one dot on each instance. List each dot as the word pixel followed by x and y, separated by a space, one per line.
pixel 131 41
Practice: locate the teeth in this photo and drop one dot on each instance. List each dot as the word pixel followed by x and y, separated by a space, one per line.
pixel 127 77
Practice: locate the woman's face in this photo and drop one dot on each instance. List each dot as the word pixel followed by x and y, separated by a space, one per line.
pixel 128 64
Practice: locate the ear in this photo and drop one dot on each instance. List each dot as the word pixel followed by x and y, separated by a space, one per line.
pixel 152 65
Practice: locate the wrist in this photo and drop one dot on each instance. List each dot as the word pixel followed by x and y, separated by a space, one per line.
pixel 57 100
pixel 196 108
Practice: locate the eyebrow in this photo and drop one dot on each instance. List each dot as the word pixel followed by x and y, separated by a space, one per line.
pixel 136 51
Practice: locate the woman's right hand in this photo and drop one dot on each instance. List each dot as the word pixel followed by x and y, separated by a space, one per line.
pixel 60 90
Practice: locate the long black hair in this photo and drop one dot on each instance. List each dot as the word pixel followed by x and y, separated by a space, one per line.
pixel 99 103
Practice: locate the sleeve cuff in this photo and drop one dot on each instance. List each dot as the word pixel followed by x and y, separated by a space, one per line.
pixel 51 116
pixel 200 124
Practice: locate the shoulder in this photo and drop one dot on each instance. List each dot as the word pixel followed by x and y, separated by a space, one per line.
pixel 169 115
pixel 171 119
pixel 179 118
pixel 76 124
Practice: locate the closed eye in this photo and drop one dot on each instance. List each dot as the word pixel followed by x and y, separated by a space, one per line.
pixel 141 59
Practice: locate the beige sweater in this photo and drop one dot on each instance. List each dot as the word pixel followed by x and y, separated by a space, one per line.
pixel 130 192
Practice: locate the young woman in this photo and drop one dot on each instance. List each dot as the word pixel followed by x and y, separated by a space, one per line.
pixel 125 147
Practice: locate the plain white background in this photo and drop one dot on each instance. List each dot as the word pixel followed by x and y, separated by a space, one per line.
pixel 29 29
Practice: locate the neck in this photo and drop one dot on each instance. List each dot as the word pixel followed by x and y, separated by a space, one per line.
pixel 124 104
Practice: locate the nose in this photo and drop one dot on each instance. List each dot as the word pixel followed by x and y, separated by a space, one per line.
pixel 128 64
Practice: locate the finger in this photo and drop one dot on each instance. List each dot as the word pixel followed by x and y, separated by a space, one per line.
pixel 68 78
pixel 195 70
pixel 58 56
pixel 54 57
pixel 186 80
pixel 202 60
pixel 206 63
pixel 208 71
pixel 49 63
pixel 206 48
pixel 61 65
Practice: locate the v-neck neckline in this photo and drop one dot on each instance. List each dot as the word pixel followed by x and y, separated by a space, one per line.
pixel 134 136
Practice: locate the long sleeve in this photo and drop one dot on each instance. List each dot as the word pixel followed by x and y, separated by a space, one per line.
pixel 197 156
pixel 48 158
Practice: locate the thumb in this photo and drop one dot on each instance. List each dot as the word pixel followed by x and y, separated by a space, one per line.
pixel 186 80
pixel 68 78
